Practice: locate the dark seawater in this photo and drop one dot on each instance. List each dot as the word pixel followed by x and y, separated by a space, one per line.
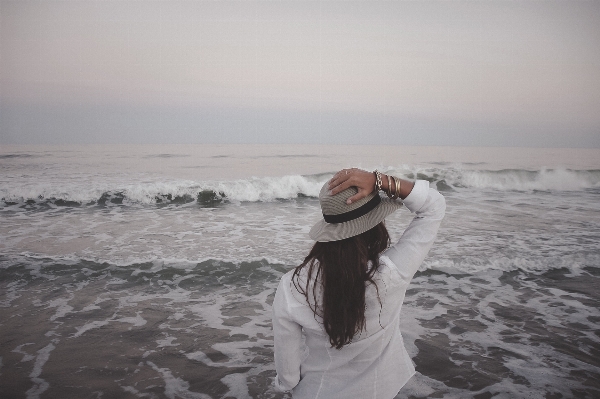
pixel 153 330
pixel 120 283
pixel 514 334
pixel 80 329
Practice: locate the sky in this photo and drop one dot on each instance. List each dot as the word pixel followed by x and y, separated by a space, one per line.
pixel 462 73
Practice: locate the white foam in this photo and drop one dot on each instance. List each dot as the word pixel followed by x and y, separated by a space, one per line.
pixel 39 384
pixel 26 356
pixel 92 188
pixel 10 293
pixel 176 387
pixel 238 386
pixel 268 188
pixel 89 326
pixel 419 386
pixel 552 305
pixel 137 321
pixel 87 189
pixel 167 341
pixel 544 179
pixel 572 262
pixel 132 390
pixel 200 356
pixel 556 179
pixel 62 307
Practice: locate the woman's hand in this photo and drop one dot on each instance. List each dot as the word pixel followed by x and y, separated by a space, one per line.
pixel 361 179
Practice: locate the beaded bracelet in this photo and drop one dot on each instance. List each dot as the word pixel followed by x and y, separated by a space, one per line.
pixel 377 180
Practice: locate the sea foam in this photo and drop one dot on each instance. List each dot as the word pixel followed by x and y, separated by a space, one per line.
pixel 99 191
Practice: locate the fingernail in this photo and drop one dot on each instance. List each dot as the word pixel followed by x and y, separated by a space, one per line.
pixel 348 202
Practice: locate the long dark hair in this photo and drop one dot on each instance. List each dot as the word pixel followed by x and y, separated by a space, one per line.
pixel 341 268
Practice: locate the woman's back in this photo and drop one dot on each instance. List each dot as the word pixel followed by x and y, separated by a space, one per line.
pixel 375 358
pixel 375 363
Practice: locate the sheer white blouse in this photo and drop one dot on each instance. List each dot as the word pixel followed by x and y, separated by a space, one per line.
pixel 375 364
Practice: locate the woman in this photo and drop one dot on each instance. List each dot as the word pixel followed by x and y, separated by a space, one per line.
pixel 336 316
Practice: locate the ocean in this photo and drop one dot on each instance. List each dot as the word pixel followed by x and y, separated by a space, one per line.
pixel 148 271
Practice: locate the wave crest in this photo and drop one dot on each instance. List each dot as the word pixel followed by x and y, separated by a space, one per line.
pixel 265 189
pixel 268 189
pixel 507 179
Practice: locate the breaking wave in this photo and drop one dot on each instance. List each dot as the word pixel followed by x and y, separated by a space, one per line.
pixel 268 189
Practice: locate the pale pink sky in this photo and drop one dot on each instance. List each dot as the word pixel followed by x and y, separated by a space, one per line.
pixel 463 73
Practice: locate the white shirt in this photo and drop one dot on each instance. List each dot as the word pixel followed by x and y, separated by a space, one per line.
pixel 375 364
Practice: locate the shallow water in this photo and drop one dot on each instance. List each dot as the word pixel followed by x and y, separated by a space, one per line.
pixel 132 280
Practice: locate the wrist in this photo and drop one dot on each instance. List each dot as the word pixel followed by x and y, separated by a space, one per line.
pixel 385 182
pixel 378 180
pixel 394 187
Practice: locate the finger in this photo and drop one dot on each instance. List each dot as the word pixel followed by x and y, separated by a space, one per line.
pixel 343 176
pixel 336 176
pixel 356 197
pixel 343 172
pixel 337 180
pixel 334 182
pixel 341 187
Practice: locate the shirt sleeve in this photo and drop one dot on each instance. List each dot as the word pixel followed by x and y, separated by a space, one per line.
pixel 288 340
pixel 416 241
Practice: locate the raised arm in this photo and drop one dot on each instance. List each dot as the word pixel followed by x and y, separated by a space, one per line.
pixel 428 205
pixel 416 241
